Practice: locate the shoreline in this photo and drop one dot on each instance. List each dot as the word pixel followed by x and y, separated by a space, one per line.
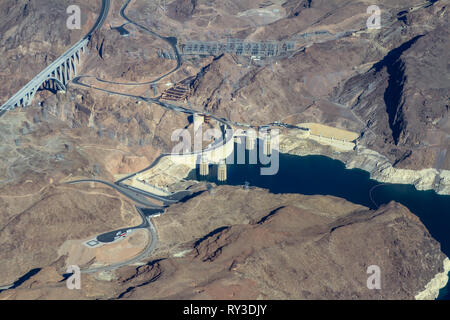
pixel 294 143
pixel 377 165
pixel 362 158
pixel 432 288
pixel 381 170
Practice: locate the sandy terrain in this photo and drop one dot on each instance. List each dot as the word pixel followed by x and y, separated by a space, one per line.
pixel 239 244
pixel 119 251
pixel 391 86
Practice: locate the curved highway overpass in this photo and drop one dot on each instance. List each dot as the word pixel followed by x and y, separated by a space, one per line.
pixel 63 70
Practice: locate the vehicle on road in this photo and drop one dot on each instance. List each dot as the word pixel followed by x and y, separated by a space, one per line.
pixel 122 234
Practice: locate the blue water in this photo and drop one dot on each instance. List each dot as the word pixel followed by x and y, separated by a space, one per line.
pixel 319 175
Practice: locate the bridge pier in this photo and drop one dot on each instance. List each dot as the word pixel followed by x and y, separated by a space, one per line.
pixel 55 76
pixel 198 121
pixel 58 69
pixel 74 66
pixel 70 69
pixel 67 71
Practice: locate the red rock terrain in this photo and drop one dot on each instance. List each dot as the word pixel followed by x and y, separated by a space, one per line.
pixel 269 247
pixel 390 85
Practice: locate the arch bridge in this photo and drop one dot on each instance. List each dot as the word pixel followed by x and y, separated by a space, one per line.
pixel 60 72
pixel 54 77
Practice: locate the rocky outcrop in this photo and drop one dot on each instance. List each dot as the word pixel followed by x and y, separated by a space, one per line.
pixel 379 167
pixel 250 244
pixel 33 35
pixel 432 288
pixel 294 8
pixel 182 9
pixel 403 99
pixel 230 243
pixel 30 237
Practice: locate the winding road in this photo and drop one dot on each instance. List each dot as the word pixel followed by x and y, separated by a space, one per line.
pixel 138 197
pixel 61 71
pixel 135 196
pixel 138 194
pixel 153 242
pixel 172 41
pixel 133 193
pixel 106 4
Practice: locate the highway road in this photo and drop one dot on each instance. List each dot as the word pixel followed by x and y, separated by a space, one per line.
pixel 106 4
pixel 134 195
pixel 146 223
pixel 98 24
pixel 167 200
pixel 153 242
pixel 172 41
pixel 110 236
pixel 139 196
pixel 25 95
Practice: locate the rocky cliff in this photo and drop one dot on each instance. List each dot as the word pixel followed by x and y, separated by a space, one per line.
pixel 239 244
pixel 390 86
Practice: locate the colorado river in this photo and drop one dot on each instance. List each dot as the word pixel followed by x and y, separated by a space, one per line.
pixel 319 175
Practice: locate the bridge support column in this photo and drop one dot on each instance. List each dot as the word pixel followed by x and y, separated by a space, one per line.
pixel 30 97
pixel 74 66
pixel 78 58
pixel 58 75
pixel 25 100
pixel 67 71
pixel 80 55
pixel 63 73
pixel 71 69
pixel 33 93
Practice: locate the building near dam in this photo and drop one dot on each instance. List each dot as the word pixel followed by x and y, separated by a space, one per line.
pixel 239 47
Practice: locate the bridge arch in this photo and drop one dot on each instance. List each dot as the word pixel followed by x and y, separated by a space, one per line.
pixel 58 85
pixel 58 73
pixel 51 84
